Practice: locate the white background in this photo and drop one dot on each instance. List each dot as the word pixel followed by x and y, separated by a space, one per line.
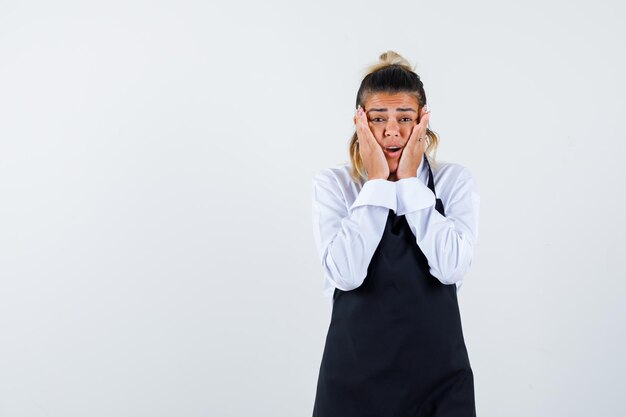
pixel 156 249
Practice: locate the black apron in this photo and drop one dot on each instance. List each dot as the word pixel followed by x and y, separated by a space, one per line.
pixel 395 344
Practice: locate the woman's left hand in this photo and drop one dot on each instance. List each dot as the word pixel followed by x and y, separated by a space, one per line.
pixel 413 152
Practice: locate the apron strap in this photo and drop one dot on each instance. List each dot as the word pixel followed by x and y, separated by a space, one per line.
pixel 431 185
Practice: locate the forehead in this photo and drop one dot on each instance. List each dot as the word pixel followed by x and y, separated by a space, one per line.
pixel 391 101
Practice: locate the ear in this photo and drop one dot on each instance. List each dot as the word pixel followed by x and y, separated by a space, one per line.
pixel 354 119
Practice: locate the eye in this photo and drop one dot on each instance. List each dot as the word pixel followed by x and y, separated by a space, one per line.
pixel 407 119
pixel 377 119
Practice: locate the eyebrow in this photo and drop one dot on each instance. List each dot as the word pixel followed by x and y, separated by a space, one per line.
pixel 398 109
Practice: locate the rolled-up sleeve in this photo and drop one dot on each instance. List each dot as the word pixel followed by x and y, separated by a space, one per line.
pixel 347 237
pixel 378 192
pixel 446 241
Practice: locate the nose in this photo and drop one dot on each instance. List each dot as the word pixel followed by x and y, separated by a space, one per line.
pixel 392 129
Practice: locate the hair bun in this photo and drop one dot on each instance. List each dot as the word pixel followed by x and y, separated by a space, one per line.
pixel 390 58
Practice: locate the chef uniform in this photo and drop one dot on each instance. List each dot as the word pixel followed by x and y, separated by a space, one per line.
pixel 395 344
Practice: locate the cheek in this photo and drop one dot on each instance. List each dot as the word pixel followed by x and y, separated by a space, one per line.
pixel 406 132
pixel 377 132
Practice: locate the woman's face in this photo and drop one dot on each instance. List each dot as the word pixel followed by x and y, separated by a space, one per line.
pixel 391 119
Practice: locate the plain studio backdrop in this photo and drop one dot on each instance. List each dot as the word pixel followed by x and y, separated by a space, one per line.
pixel 156 249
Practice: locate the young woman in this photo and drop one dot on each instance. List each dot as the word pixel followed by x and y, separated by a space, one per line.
pixel 395 237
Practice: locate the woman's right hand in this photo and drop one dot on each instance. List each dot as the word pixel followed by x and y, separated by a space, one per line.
pixel 371 152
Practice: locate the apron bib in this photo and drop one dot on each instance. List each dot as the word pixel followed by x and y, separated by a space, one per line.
pixel 395 344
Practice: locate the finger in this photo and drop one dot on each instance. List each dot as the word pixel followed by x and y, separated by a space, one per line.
pixel 359 117
pixel 365 128
pixel 359 124
pixel 363 131
pixel 419 132
pixel 424 115
pixel 416 133
pixel 423 125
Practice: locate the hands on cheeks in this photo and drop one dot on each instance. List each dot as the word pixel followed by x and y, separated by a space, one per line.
pixel 372 154
pixel 413 152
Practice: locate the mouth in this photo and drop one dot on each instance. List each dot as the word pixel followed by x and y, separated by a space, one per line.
pixel 393 151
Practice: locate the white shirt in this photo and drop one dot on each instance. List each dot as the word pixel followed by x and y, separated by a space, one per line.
pixel 349 220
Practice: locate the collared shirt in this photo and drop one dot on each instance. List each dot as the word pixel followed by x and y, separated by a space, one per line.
pixel 349 219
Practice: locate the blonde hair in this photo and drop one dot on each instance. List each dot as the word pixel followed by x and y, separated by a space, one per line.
pixel 392 74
